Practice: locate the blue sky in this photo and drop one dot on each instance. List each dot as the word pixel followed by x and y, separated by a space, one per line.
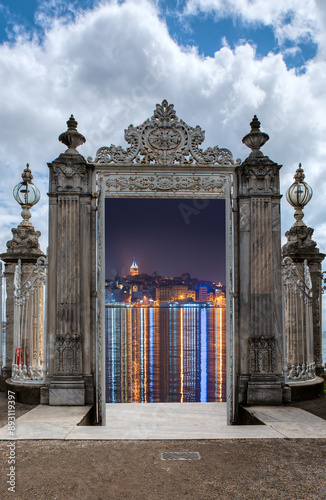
pixel 202 30
pixel 109 62
pixel 209 34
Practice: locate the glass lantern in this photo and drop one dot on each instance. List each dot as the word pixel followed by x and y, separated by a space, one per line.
pixel 26 194
pixel 298 195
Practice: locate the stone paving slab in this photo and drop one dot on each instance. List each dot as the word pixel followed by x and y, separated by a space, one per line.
pixel 46 422
pixel 229 432
pixel 290 421
pixel 63 414
pixel 157 421
pixel 36 430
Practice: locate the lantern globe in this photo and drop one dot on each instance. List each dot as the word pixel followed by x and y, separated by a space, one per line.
pixel 26 194
pixel 299 194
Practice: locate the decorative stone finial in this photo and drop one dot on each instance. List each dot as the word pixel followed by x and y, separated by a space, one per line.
pixel 298 195
pixel 27 195
pixel 255 139
pixel 299 174
pixel 72 124
pixel 27 174
pixel 72 138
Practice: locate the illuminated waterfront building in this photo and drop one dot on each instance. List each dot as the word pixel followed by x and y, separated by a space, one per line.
pixel 134 268
pixel 182 289
pixel 219 298
pixel 174 292
pixel 204 295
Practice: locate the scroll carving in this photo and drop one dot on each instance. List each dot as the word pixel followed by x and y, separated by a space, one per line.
pixel 164 140
pixel 69 177
pixel 25 241
pixel 260 179
pixel 164 183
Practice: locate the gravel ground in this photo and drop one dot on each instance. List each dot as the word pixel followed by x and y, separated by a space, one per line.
pixel 285 469
pixel 229 469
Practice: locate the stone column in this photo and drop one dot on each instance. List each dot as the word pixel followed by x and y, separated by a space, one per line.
pixel 70 275
pixel 260 304
pixel 300 247
pixel 23 246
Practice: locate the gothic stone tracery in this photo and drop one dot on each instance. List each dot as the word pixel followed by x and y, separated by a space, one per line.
pixel 262 354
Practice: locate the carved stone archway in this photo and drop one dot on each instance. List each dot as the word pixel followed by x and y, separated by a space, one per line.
pixel 164 160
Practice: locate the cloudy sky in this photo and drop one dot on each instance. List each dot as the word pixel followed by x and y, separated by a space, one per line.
pixel 109 62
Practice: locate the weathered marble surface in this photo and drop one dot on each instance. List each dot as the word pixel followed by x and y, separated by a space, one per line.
pixel 165 421
pixel 71 279
pixel 291 422
pixel 169 421
pixel 66 397
pixel 46 422
pixel 259 318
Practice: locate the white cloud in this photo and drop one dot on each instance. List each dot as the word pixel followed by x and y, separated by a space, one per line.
pixel 291 19
pixel 111 65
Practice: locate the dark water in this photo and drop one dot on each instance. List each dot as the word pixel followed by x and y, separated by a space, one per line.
pixel 165 354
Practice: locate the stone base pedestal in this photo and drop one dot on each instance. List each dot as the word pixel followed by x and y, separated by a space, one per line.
pixel 310 389
pixel 264 390
pixel 67 391
pixel 24 392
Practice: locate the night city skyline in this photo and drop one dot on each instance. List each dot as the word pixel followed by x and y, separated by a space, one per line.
pixel 169 236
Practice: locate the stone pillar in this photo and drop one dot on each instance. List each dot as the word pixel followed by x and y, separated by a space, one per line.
pixel 300 247
pixel 260 293
pixel 70 275
pixel 23 246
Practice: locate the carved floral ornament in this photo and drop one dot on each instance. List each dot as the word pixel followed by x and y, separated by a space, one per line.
pixel 164 140
pixel 164 183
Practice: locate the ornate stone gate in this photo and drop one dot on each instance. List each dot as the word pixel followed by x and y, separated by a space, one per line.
pixel 164 160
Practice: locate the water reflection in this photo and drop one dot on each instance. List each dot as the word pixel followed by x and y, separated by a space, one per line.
pixel 165 354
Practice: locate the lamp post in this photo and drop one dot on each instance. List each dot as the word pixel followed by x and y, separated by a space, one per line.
pixel 303 252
